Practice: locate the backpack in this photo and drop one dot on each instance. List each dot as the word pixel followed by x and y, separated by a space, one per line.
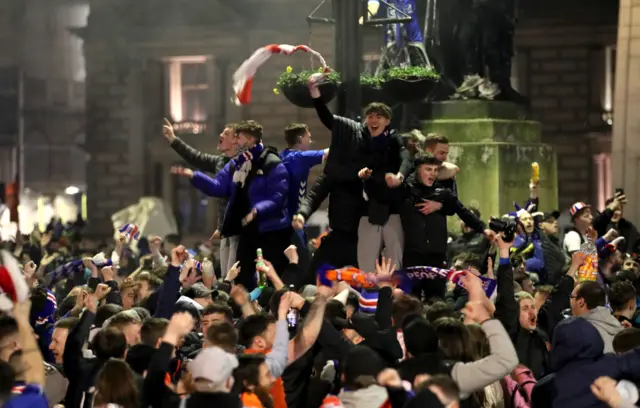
pixel 518 387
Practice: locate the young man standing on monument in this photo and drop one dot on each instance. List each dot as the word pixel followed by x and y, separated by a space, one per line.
pixel 257 185
pixel 376 155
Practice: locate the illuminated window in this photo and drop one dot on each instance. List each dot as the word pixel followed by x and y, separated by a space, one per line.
pixel 609 83
pixel 188 93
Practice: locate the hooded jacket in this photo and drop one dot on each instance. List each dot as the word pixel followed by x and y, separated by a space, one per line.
pixel 578 360
pixel 606 324
pixel 373 396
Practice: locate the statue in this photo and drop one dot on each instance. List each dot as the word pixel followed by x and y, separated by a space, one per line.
pixel 465 38
pixel 403 41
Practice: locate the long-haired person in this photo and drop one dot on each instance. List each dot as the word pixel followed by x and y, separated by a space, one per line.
pixel 253 380
pixel 116 385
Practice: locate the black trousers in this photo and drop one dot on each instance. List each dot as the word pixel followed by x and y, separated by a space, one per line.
pixel 272 243
pixel 427 288
pixel 337 249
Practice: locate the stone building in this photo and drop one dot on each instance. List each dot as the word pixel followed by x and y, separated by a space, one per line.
pixel 42 94
pixel 152 59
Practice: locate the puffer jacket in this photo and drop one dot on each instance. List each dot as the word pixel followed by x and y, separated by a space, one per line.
pixel 268 189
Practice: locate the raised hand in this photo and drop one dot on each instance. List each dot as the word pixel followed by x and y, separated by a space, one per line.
pixel 167 131
pixel 233 273
pixel 30 272
pixel 298 222
pixel 182 171
pixel 365 173
pixel 292 254
pixel 178 255
pixel 384 270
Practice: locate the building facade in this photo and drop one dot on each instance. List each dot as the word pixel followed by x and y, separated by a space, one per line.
pixel 42 94
pixel 145 62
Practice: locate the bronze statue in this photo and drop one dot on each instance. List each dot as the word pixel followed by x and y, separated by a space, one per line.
pixel 473 37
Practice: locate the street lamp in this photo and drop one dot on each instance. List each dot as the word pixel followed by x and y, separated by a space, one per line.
pixel 72 190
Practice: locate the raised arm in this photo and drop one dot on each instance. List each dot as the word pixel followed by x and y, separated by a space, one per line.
pixel 314 197
pixel 312 325
pixel 324 114
pixel 201 161
pixel 220 186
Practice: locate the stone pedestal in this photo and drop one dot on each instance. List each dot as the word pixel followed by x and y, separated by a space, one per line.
pixel 494 144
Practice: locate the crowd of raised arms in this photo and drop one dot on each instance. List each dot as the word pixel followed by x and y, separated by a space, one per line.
pixel 387 308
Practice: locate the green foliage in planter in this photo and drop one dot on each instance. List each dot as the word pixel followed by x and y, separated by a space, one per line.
pixel 411 73
pixel 374 81
pixel 290 78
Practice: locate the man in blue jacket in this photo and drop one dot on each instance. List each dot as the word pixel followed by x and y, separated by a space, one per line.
pixel 257 185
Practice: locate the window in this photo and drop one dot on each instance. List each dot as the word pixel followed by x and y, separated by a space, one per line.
pixel 188 93
pixel 609 84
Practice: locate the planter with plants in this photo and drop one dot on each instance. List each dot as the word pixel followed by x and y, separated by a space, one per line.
pixel 409 84
pixel 371 88
pixel 293 85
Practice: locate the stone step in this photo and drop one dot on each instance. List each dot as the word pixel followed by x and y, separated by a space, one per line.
pixel 479 130
pixel 475 109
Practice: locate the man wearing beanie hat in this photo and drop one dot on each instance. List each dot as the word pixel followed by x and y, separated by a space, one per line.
pixel 361 367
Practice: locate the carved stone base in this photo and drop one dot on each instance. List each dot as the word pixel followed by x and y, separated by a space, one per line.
pixel 494 145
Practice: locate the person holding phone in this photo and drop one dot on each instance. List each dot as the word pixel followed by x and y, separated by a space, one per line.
pixel 613 218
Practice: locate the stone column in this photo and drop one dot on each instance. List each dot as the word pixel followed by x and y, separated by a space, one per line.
pixel 626 121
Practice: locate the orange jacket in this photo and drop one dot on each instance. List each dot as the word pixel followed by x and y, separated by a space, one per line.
pixel 277 389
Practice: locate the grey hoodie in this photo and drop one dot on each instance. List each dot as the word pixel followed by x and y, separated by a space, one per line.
pixel 606 324
pixel 371 397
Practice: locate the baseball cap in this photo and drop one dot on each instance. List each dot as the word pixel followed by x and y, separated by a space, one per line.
pixel 546 216
pixel 213 364
pixel 197 290
pixel 577 208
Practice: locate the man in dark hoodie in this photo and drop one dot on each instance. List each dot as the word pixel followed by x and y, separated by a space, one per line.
pixel 577 359
pixel 257 184
pixel 423 356
pixel 368 151
pixel 425 226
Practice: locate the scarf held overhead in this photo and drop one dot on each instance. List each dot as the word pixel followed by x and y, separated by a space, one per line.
pixel 404 278
pixel 243 77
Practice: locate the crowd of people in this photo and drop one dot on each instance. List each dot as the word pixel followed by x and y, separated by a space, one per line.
pixel 388 309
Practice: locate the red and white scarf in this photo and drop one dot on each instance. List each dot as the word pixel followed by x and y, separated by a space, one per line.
pixel 243 77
